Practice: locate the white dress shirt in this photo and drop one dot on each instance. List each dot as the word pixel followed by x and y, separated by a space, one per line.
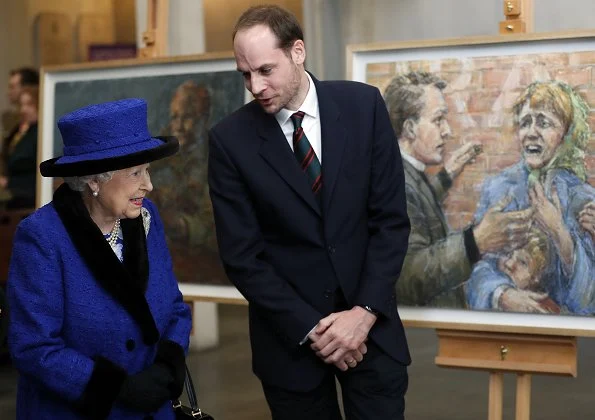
pixel 311 126
pixel 310 123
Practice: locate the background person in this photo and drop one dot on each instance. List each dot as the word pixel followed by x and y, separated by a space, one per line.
pixel 18 78
pixel 19 153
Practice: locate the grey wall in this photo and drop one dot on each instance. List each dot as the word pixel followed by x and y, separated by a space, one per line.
pixel 185 33
pixel 343 22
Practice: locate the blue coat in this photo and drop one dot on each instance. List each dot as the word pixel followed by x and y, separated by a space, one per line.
pixel 78 324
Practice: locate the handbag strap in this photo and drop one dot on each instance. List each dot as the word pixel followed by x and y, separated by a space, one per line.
pixel 191 393
pixel 189 385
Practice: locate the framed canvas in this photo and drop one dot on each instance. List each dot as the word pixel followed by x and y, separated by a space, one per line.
pixel 499 162
pixel 186 96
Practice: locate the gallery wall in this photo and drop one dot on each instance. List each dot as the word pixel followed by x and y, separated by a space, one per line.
pixel 329 25
pixel 18 18
pixel 333 24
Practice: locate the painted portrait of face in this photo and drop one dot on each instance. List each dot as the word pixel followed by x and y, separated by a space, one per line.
pixel 432 129
pixel 525 266
pixel 540 133
pixel 189 112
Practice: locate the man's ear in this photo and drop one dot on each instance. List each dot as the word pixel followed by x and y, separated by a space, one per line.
pixel 409 129
pixel 298 52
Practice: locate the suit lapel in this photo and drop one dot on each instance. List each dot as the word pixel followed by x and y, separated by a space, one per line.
pixel 333 137
pixel 277 153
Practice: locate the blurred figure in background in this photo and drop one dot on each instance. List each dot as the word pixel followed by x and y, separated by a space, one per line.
pixel 18 78
pixel 19 153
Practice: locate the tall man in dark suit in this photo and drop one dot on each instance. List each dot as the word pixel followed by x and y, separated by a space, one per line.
pixel 308 194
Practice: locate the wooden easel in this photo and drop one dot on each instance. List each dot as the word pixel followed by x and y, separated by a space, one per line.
pixel 518 17
pixel 155 37
pixel 505 352
pixel 497 353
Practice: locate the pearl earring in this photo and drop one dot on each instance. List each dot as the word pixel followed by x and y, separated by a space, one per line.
pixel 95 193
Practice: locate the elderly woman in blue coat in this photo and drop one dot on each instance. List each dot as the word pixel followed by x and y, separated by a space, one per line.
pixel 98 328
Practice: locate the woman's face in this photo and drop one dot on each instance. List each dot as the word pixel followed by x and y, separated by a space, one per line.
pixel 540 133
pixel 28 108
pixel 122 196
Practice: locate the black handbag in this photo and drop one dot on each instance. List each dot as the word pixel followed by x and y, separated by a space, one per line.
pixel 193 412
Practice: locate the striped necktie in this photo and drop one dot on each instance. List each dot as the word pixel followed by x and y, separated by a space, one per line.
pixel 305 155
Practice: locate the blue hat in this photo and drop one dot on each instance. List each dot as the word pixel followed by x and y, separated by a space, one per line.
pixel 106 137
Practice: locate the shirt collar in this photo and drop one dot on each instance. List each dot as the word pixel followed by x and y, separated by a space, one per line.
pixel 420 166
pixel 309 106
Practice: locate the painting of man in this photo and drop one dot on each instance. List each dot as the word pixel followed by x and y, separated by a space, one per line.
pixel 439 260
pixel 499 159
pixel 186 106
pixel 182 196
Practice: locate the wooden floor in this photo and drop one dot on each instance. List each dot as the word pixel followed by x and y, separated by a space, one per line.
pixel 227 388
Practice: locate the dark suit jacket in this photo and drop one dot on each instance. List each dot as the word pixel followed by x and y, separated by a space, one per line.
pixel 438 262
pixel 285 253
pixel 21 166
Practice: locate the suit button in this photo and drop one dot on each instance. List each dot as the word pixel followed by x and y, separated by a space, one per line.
pixel 331 249
pixel 327 293
pixel 130 344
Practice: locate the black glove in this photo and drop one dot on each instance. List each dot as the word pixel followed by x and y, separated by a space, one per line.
pixel 147 390
pixel 172 355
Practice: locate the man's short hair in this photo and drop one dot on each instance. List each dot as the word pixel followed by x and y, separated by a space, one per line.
pixel 281 22
pixel 29 76
pixel 403 96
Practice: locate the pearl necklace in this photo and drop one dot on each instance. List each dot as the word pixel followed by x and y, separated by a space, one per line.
pixel 113 235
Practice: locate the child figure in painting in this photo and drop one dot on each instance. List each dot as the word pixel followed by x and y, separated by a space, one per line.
pixel 525 267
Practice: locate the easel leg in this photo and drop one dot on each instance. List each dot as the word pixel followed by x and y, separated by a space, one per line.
pixel 495 399
pixel 523 396
pixel 205 326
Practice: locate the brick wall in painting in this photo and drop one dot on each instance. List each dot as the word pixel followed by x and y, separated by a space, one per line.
pixel 480 95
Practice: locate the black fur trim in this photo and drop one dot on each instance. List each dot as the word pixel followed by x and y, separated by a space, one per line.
pixel 135 251
pixel 126 283
pixel 102 389
pixel 171 354
pixel 91 167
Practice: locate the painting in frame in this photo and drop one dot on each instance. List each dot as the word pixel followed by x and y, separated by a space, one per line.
pixel 186 96
pixel 499 161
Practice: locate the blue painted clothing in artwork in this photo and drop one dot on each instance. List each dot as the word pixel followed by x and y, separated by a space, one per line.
pixel 571 287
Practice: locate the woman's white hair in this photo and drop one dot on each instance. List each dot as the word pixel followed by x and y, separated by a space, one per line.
pixel 79 183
